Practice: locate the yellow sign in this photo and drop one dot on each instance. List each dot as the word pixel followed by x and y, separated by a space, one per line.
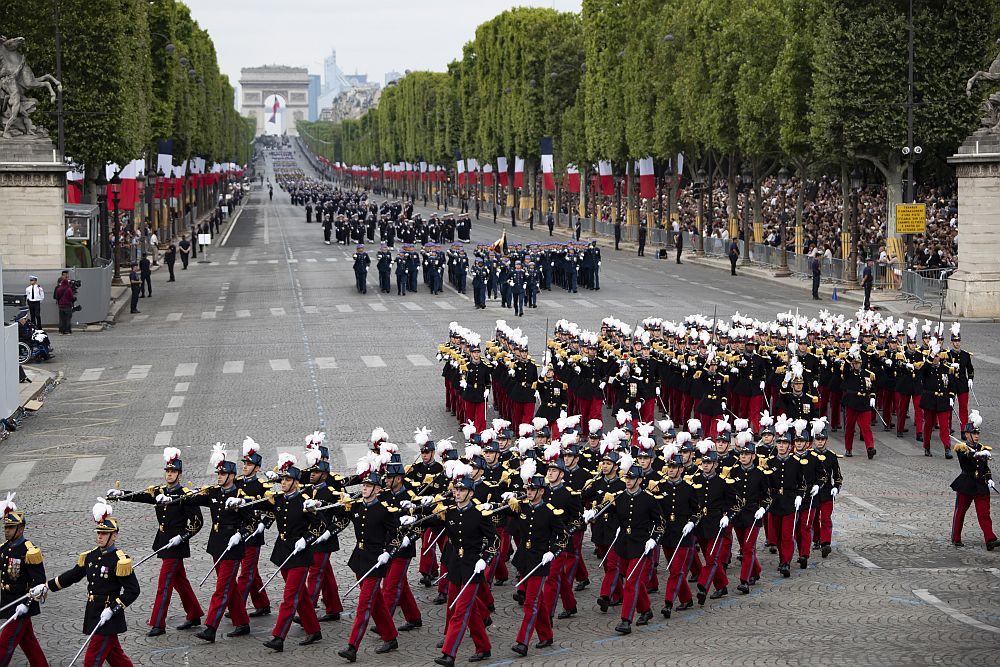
pixel 911 218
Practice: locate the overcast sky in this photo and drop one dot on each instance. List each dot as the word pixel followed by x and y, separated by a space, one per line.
pixel 371 36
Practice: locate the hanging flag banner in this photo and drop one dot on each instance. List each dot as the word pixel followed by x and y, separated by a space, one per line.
pixel 545 150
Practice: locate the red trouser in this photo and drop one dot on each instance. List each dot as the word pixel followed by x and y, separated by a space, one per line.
pixel 295 599
pixel 536 616
pixel 903 409
pixel 580 572
pixel 712 572
pixel 835 399
pixel 226 596
pixel 886 398
pixel 963 411
pixel 523 412
pixel 465 614
pixel 750 567
pixel 173 577
pixel 804 528
pixel 634 597
pixel 477 413
pixel 396 590
pixel 447 395
pixel 499 564
pixel 781 533
pixel 249 583
pixel 864 421
pixel 589 409
pixel 559 584
pixel 962 503
pixel 321 579
pixel 612 574
pixel 105 648
pixel 677 585
pixel 428 561
pixel 687 403
pixel 822 521
pixel 648 408
pixel 21 633
pixel 371 607
pixel 943 420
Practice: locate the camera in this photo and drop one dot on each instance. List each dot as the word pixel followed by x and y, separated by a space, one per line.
pixel 75 284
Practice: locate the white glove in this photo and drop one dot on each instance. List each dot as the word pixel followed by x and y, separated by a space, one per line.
pixel 954 367
pixel 323 538
pixel 115 493
pixel 162 498
pixel 271 476
pixel 982 454
pixel 762 385
pixel 734 370
pixel 798 502
pixel 234 540
pixel 311 503
pixel 407 520
pixel 813 491
pixel 888 362
pixel 21 609
pixel 260 528
pixel 588 515
pixel 657 391
pixel 106 616
pixel 480 566
pixel 233 502
pixel 174 541
pixel 688 527
pixel 990 483
pixel 604 383
pixel 486 507
pixel 909 367
pixel 724 521
pixel 300 545
pixel 723 405
pixel 577 369
pixel 759 514
pixel 383 558
pixel 404 543
pixel 951 402
pixel 788 378
pixel 547 557
pixel 538 396
pixel 406 504
pixel 512 372
pixel 426 500
pixel 815 383
pixel 462 384
pixel 871 402
pixel 834 491
pixel 486 394
pixel 623 372
pixel 39 590
pixel 970 384
pixel 507 495
pixel 650 545
pixel 684 367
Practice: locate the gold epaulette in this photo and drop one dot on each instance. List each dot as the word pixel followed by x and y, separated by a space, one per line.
pixel 82 559
pixel 34 555
pixel 555 511
pixel 124 567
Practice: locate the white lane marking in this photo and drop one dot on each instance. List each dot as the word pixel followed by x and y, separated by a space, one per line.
pixel 344 308
pixel 185 370
pixel 162 438
pixel 272 261
pixel 140 318
pixel 208 314
pixel 861 503
pixel 232 367
pixel 583 303
pixel 84 470
pixel 242 313
pixel 925 595
pixel 175 402
pixel 988 359
pixel 151 466
pixel 138 372
pixel 181 386
pixel 174 317
pixel 418 360
pixel 278 312
pixel 292 261
pixel 311 259
pixel 169 419
pixel 325 362
pixel 310 310
pixel 617 304
pixel 331 259
pixel 549 303
pixel 409 305
pixel 252 261
pixel 444 305
pixel 280 364
pixel 373 361
pixel 232 226
pixel 858 559
pixel 378 307
pixel 91 374
pixel 15 473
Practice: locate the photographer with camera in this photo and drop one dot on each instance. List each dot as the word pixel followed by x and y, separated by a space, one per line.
pixel 65 298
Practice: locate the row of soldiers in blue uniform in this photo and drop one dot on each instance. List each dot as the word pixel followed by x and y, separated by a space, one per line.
pixel 408 264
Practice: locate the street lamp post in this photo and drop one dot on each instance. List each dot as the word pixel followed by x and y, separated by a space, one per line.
pixel 857 183
pixel 104 247
pixel 699 182
pixel 115 183
pixel 783 271
pixel 747 181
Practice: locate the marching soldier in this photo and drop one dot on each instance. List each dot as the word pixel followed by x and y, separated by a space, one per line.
pixel 249 583
pixel 111 587
pixel 361 263
pixel 21 569
pixel 973 484
pixel 680 510
pixel 475 385
pixel 858 385
pixel 831 480
pixel 328 489
pixel 753 496
pixel 396 591
pixel 937 398
pixel 384 266
pixel 964 374
pixel 176 525
pixel 786 489
pixel 717 501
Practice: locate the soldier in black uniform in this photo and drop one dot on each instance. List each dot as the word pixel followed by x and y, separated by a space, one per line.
pixel 384 266
pixel 327 488
pixel 753 495
pixel 176 525
pixel 560 580
pixel 249 583
pixel 396 590
pixel 937 397
pixel 21 569
pixel 858 385
pixel 830 483
pixel 718 502
pixel 401 278
pixel 784 473
pixel 964 374
pixel 361 262
pixel 973 484
pixel 680 510
pixel 111 587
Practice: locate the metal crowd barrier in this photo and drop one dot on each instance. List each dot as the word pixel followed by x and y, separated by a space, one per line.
pixel 924 286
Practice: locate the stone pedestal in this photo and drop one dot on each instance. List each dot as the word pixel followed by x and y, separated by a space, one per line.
pixel 974 290
pixel 32 193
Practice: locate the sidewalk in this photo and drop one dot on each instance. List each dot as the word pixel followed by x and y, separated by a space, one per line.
pixel 41 380
pixel 121 295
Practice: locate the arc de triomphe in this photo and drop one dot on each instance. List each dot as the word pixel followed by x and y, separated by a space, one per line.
pixel 291 83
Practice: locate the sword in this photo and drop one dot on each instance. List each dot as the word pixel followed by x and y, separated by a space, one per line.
pixel 716 542
pixel 683 535
pixel 973 392
pixel 462 590
pixel 86 641
pixel 533 570
pixel 639 562
pixel 617 533
pixel 16 615
pixel 749 533
pixel 258 531
pixel 163 548
pixel 283 565
pixel 374 567
pixel 433 542
pixel 10 604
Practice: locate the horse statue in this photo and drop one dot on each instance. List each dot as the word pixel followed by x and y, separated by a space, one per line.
pixel 991 105
pixel 16 77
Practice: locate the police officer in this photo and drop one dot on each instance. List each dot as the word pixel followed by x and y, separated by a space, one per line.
pixel 361 262
pixel 384 266
pixel 21 569
pixel 402 281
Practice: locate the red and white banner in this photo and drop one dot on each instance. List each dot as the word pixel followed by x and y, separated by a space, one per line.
pixel 473 167
pixel 518 172
pixel 647 179
pixel 502 171
pixel 74 186
pixel 548 182
pixel 572 178
pixel 460 169
pixel 607 179
pixel 487 175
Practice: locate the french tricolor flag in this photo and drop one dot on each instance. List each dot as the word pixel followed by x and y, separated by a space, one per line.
pixel 572 178
pixel 607 179
pixel 545 150
pixel 518 172
pixel 502 171
pixel 647 179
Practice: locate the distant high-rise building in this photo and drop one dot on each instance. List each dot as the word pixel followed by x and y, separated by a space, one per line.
pixel 334 82
pixel 392 76
pixel 314 93
pixel 356 79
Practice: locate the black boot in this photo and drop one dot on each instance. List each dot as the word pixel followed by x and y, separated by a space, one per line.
pixel 311 639
pixel 744 588
pixel 947 453
pixel 603 603
pixel 156 632
pixel 445 661
pixel 684 606
pixel 410 625
pixel 332 616
pixel 441 598
pixel 645 617
pixel 624 627
pixel 702 596
pixel 992 544
pixel 480 656
pixel 667 606
pixel 871 453
pixel 803 562
pixel 350 654
pixel 257 613
pixel 785 570
pixel 825 550
pixel 566 613
pixel 385 647
pixel 720 593
pixel 277 644
pixel 581 585
pixel 544 644
pixel 239 631
pixel 520 649
pixel 207 633
pixel 187 625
